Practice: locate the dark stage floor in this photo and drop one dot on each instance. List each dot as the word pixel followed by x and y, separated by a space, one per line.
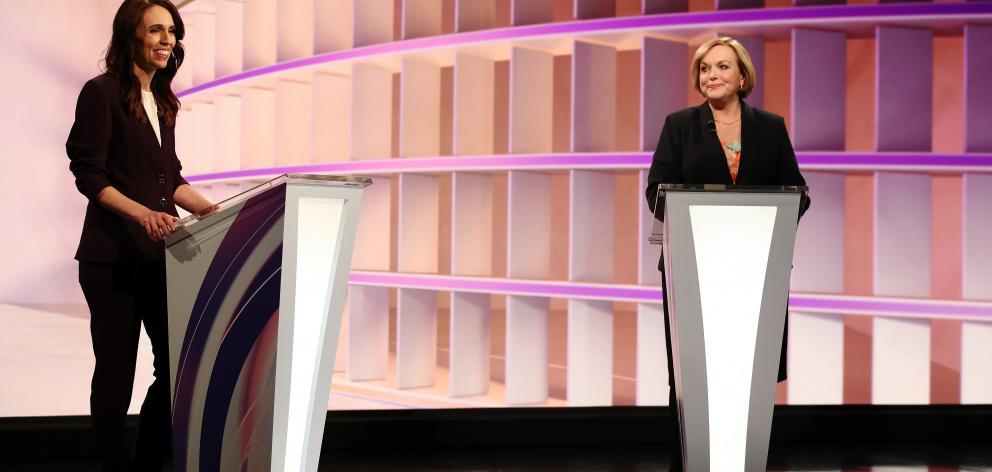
pixel 784 456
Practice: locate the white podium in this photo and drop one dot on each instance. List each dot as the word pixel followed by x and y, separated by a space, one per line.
pixel 728 257
pixel 256 293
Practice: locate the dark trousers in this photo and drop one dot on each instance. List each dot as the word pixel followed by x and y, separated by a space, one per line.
pixel 121 297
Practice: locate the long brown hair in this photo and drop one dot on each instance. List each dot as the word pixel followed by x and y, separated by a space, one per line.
pixel 121 52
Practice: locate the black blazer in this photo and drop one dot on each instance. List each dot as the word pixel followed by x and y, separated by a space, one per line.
pixel 107 146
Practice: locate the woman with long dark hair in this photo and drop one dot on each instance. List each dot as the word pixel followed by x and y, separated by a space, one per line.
pixel 122 154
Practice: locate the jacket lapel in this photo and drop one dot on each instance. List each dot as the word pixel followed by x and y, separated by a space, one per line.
pixel 712 149
pixel 749 143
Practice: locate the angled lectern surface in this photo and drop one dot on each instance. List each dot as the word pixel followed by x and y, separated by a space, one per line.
pixel 256 292
pixel 728 258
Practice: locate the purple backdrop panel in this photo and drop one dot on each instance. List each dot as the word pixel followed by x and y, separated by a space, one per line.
pixel 651 7
pixel 903 89
pixel 803 3
pixel 818 80
pixel 756 49
pixel 734 4
pixel 977 93
pixel 586 9
pixel 664 80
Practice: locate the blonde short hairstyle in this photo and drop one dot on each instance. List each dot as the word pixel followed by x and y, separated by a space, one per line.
pixel 743 63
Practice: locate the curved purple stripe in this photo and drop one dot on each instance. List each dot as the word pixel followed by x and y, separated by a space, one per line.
pixel 256 308
pixel 737 18
pixel 256 218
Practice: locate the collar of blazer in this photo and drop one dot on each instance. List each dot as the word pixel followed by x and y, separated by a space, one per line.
pixel 749 144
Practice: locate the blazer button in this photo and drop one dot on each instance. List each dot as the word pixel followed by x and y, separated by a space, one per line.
pixel 162 202
pixel 161 178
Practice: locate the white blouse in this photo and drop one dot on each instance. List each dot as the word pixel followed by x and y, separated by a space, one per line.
pixel 151 109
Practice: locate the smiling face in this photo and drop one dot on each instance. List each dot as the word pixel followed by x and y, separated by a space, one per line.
pixel 156 36
pixel 720 77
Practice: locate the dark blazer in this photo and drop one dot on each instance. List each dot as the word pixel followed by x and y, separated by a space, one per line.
pixel 689 152
pixel 107 146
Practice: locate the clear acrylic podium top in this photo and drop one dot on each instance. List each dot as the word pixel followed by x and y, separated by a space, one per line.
pixel 657 228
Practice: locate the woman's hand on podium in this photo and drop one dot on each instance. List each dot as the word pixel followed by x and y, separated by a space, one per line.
pixel 158 225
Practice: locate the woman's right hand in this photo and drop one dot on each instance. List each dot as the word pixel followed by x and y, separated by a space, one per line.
pixel 157 225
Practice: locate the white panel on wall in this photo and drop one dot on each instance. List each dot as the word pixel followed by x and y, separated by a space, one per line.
pixel 662 86
pixel 293 122
pixel 526 350
pixel 341 353
pixel 230 21
pixel 817 265
pixel 816 359
pixel 590 353
pixel 652 355
pixel 528 12
pixel 331 113
pixel 420 109
pixel 902 234
pixel 368 332
pixel 976 277
pixel 295 27
pixel 201 45
pixel 184 137
pixel 372 243
pixel 227 133
pixel 531 101
pixel 373 22
pixel 590 248
pixel 472 224
pixel 421 18
pixel 976 357
pixel 648 254
pixel 594 97
pixel 260 44
pixel 474 83
pixel 418 223
pixel 900 367
pixel 202 116
pixel 333 28
pixel 258 128
pixel 371 112
pixel 528 246
pixel 416 338
pixel 470 342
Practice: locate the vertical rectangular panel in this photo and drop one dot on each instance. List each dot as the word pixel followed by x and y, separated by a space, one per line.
pixel 594 92
pixel 260 43
pixel 474 88
pixel 184 136
pixel 202 44
pixel 258 139
pixel 472 224
pixel 368 332
pixel 586 9
pixel 421 18
pixel 331 113
pixel 420 109
pixel 652 356
pixel 416 338
pixel 373 22
pixel 372 240
pixel 977 97
pixel 663 86
pixel 202 117
pixel 371 112
pixel 902 235
pixel 591 226
pixel 472 15
pixel 418 223
pixel 529 12
pixel 469 362
pixel 976 357
pixel 818 264
pixel 946 238
pixel 230 37
pixel 294 120
pixel 333 29
pixel 526 350
pixel 800 3
pixel 901 361
pixel 295 27
pixel 903 68
pixel 976 280
pixel 818 78
pixel 531 76
pixel 652 7
pixel 859 269
pixel 816 359
pixel 736 4
pixel 590 353
pixel 529 225
pixel 227 133
pixel 648 254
